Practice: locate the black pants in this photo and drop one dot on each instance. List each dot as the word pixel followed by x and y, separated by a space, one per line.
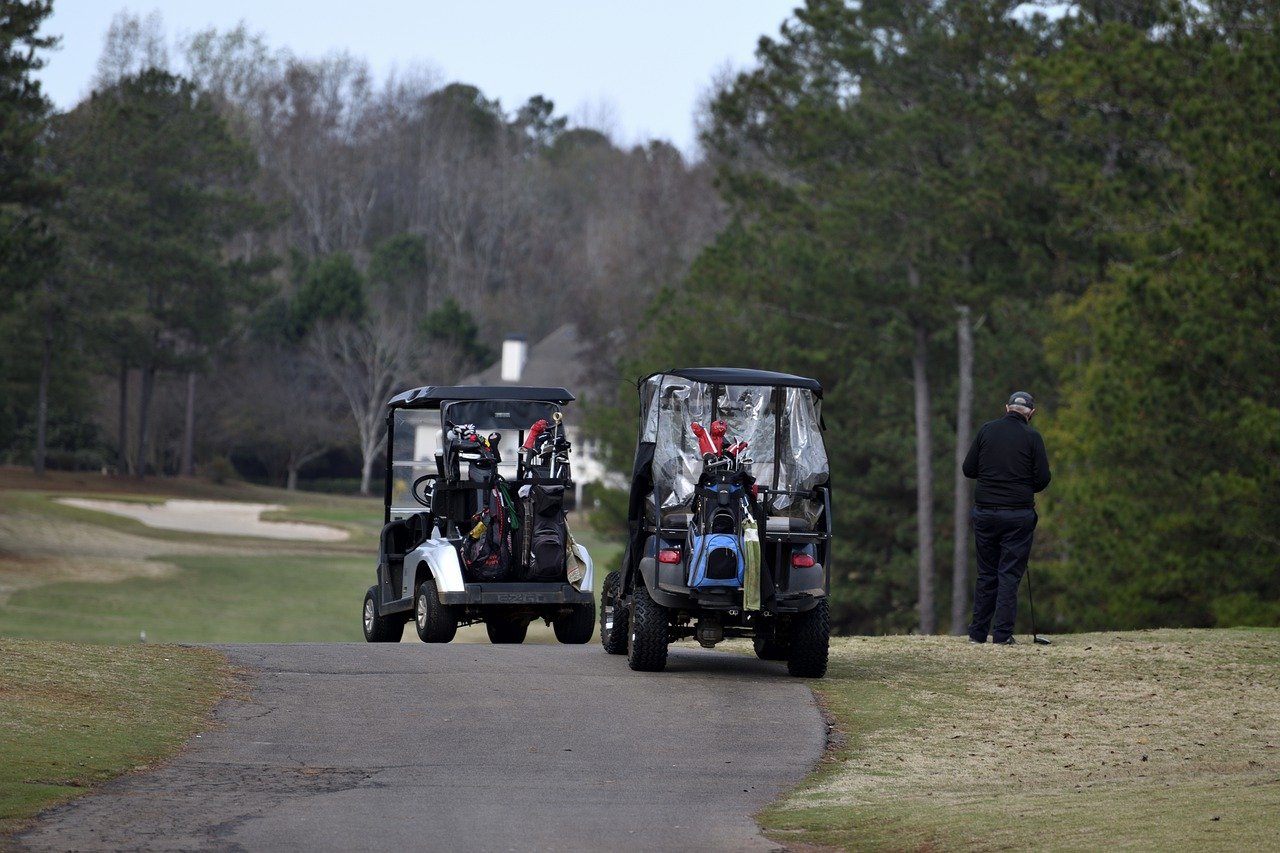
pixel 1003 538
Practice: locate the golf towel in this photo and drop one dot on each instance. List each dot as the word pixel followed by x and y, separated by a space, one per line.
pixel 751 561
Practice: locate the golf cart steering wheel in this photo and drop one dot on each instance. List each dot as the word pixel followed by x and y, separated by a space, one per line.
pixel 420 492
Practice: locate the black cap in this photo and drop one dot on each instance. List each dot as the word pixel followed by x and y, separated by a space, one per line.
pixel 1022 398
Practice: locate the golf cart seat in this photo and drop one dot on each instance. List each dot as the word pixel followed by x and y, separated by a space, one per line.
pixel 402 535
pixel 679 519
pixel 672 519
pixel 787 524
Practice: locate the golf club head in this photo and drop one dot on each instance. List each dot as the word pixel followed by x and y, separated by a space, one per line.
pixel 1040 641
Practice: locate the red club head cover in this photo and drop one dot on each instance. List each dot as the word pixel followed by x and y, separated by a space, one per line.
pixel 704 444
pixel 534 431
pixel 718 429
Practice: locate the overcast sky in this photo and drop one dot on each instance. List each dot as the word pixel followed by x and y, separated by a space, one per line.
pixel 642 64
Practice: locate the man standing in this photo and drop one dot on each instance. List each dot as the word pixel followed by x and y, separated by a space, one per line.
pixel 1009 462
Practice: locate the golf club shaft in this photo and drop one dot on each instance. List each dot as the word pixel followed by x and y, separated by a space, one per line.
pixel 1035 636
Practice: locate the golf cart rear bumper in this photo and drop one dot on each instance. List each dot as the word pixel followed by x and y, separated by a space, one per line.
pixel 517 593
pixel 730 600
pixel 665 584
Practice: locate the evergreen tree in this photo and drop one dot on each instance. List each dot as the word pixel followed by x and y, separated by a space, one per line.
pixel 157 186
pixel 1169 482
pixel 24 187
pixel 879 137
pixel 332 290
pixel 27 248
pixel 453 326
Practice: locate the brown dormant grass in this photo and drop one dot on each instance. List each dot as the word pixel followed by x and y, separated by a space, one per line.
pixel 1151 740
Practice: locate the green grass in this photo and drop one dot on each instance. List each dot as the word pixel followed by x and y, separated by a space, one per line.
pixel 606 554
pixel 72 716
pixel 273 599
pixel 1152 740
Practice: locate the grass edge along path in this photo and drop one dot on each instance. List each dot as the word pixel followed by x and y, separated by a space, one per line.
pixel 1146 740
pixel 75 715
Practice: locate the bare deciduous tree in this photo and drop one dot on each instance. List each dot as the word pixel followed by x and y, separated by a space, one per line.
pixel 315 147
pixel 368 362
pixel 283 409
pixel 132 45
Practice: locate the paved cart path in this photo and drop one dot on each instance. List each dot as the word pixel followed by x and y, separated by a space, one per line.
pixel 467 747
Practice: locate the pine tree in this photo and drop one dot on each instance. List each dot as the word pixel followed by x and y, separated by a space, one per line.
pixel 27 248
pixel 158 185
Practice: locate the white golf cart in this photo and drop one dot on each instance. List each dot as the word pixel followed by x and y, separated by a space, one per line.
pixel 474 524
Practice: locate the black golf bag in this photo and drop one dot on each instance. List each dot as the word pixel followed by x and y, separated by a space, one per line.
pixel 545 533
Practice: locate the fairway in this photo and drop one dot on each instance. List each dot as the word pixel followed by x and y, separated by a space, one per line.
pixel 202 600
pixel 78 575
pixel 75 575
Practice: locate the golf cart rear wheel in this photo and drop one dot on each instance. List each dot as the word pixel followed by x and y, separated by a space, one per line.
pixel 435 621
pixel 504 629
pixel 380 629
pixel 577 627
pixel 810 639
pixel 647 641
pixel 613 615
pixel 768 648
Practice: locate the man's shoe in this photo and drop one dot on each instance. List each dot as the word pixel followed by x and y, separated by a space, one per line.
pixel 1009 642
pixel 977 642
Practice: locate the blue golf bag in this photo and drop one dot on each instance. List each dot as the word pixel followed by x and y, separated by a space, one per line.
pixel 715 535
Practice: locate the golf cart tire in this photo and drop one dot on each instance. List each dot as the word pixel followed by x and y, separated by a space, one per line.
pixel 576 628
pixel 505 631
pixel 648 636
pixel 810 642
pixel 768 648
pixel 377 628
pixel 435 621
pixel 613 636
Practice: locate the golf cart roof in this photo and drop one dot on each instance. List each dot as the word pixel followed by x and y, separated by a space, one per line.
pixel 742 376
pixel 432 396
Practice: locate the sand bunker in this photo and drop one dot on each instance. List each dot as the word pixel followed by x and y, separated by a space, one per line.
pixel 218 517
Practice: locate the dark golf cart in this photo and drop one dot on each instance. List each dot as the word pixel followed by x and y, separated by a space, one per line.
pixel 730 521
pixel 473 522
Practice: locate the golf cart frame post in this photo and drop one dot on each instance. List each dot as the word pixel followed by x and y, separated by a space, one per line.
pixel 779 472
pixel 435 483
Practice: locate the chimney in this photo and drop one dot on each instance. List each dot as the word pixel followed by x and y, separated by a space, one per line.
pixel 515 352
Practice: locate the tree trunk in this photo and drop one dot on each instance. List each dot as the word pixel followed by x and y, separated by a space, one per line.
pixel 371 444
pixel 964 435
pixel 924 479
pixel 187 467
pixel 42 395
pixel 144 417
pixel 291 479
pixel 122 442
pixel 366 473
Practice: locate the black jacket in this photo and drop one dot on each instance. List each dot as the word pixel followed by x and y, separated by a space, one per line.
pixel 1009 462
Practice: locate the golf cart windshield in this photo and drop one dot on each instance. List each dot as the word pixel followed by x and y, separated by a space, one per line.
pixel 780 425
